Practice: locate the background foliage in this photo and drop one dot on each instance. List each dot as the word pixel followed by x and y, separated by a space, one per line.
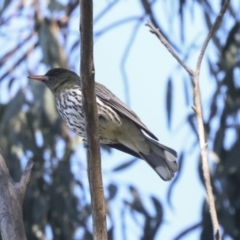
pixel 37 35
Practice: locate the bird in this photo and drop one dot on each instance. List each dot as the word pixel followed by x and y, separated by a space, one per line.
pixel 119 126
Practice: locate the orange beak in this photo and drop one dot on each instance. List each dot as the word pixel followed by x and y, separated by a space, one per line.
pixel 41 78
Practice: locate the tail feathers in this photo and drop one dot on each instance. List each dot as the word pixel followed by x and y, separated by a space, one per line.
pixel 162 159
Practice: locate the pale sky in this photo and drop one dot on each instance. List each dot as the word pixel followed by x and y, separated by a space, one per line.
pixel 148 67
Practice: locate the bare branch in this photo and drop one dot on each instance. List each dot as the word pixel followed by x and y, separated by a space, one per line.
pixel 168 46
pixel 210 34
pixel 198 110
pixel 25 179
pixel 11 198
pixel 91 118
pixel 194 108
pixel 201 132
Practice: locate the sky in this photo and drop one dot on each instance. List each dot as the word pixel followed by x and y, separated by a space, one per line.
pixel 148 68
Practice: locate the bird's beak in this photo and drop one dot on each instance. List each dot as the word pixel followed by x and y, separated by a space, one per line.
pixel 41 78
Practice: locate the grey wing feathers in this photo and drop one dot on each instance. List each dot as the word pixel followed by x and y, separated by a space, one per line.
pixel 110 99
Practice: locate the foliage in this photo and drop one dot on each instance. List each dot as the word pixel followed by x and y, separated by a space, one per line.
pixel 31 128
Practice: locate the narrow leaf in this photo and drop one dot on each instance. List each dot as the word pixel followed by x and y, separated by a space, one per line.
pixel 186 93
pixel 112 191
pixel 124 165
pixel 158 207
pixel 170 189
pixel 169 102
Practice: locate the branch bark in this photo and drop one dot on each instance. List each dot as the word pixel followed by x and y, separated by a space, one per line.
pixel 91 118
pixel 11 199
pixel 198 110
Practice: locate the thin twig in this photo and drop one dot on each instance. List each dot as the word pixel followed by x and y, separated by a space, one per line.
pixel 210 34
pixel 168 46
pixel 91 119
pixel 198 110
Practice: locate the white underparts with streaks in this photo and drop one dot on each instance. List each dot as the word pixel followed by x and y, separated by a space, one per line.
pixel 69 105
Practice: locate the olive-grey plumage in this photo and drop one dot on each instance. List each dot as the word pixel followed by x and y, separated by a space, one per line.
pixel 119 126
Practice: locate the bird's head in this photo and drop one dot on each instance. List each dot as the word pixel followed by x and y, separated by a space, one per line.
pixel 56 78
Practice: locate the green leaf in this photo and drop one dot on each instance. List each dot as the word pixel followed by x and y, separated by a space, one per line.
pixel 169 101
pixel 124 165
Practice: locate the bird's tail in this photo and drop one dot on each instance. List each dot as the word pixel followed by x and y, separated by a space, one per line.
pixel 162 159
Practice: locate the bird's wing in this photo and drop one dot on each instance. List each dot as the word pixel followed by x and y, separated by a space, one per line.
pixel 107 97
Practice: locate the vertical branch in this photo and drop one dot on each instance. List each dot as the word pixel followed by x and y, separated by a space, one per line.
pixel 198 110
pixel 91 118
pixel 11 198
pixel 201 133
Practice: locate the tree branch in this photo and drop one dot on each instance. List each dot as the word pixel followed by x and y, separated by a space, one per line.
pixel 24 181
pixel 11 198
pixel 198 110
pixel 168 46
pixel 210 34
pixel 201 132
pixel 91 118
